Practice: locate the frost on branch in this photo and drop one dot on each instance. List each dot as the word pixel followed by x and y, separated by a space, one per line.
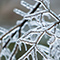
pixel 30 31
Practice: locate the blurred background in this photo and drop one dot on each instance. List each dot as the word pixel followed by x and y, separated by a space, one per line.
pixel 8 18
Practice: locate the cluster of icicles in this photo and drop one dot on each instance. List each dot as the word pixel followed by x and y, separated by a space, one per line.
pixel 32 33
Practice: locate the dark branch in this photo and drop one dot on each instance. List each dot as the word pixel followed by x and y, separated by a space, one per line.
pixel 35 8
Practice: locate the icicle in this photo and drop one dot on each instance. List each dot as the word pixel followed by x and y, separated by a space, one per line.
pixel 27 53
pixel 43 48
pixel 19 12
pixel 3 30
pixel 5 52
pixel 20 44
pixel 32 55
pixel 27 5
pixel 25 47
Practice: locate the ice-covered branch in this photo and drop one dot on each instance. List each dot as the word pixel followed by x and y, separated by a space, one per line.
pixel 30 31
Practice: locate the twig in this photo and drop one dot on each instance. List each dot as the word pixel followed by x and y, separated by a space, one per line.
pixel 14 28
pixel 26 41
pixel 27 53
pixel 14 52
pixel 35 8
pixel 30 32
pixel 9 40
pixel 20 31
pixel 41 53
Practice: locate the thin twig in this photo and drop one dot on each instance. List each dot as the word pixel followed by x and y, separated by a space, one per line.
pixel 26 41
pixel 20 32
pixel 14 28
pixel 30 32
pixel 27 53
pixel 9 40
pixel 41 53
pixel 35 8
pixel 14 51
